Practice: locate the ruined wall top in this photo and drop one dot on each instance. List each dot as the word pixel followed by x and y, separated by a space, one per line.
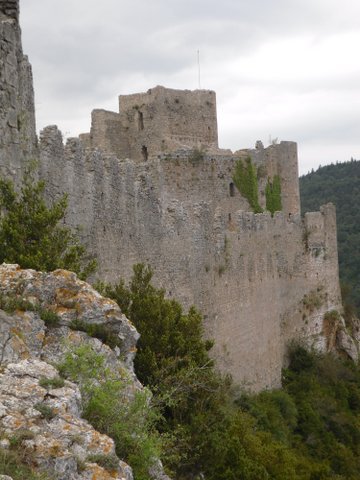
pixel 160 120
pixel 183 116
pixel 10 8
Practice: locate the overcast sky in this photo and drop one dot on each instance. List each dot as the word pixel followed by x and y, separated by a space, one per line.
pixel 286 69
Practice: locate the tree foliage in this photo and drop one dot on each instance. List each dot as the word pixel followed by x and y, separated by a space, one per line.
pixel 307 431
pixel 173 361
pixel 30 233
pixel 128 418
pixel 339 184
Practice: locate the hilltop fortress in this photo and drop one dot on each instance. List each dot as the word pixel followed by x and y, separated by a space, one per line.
pixel 150 184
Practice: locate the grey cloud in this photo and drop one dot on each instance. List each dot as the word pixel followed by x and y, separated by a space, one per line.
pixel 85 52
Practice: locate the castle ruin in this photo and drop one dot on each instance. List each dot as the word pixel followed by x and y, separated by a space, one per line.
pixel 150 184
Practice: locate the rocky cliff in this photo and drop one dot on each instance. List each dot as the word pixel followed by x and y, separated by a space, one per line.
pixel 18 140
pixel 39 412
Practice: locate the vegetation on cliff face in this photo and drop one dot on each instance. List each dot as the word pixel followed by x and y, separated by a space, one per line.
pixel 339 184
pixel 15 463
pixel 273 195
pixel 245 179
pixel 173 361
pixel 129 421
pixel 30 234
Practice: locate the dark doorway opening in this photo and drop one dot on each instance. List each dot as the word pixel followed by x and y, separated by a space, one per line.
pixel 140 120
pixel 232 189
pixel 144 152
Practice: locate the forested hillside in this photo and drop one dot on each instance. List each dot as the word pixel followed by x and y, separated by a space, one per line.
pixel 339 184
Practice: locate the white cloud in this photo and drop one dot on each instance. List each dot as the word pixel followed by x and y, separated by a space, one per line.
pixel 286 68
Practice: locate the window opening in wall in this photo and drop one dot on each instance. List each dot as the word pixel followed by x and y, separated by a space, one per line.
pixel 144 152
pixel 232 189
pixel 140 119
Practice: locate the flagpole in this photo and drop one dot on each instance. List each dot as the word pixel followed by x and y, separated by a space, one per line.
pixel 198 59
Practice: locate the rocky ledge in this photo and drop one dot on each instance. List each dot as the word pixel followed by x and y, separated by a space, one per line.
pixel 42 418
pixel 49 426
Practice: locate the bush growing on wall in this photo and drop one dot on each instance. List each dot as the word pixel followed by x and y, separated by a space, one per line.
pixel 273 195
pixel 245 179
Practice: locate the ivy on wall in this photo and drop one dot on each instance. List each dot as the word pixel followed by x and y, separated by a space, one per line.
pixel 245 179
pixel 273 195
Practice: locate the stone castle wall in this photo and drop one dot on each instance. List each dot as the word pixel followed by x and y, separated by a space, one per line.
pixel 249 274
pixel 149 185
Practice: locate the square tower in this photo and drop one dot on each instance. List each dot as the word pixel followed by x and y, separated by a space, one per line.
pixel 163 120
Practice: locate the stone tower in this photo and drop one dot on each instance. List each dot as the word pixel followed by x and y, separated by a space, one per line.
pixel 158 121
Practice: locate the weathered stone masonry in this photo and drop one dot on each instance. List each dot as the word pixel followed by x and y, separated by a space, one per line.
pixel 149 184
pixel 249 274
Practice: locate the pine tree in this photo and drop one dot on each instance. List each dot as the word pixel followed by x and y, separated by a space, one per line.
pixel 30 234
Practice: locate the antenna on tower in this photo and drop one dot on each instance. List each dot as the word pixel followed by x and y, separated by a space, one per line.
pixel 198 60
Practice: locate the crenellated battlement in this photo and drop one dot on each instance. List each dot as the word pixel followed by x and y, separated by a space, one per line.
pixel 149 184
pixel 180 212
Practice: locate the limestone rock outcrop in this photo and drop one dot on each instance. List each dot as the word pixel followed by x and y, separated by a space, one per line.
pixel 17 113
pixel 47 421
pixel 62 293
pixel 50 422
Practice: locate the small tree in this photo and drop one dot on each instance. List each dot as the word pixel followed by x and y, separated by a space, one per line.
pixel 30 234
pixel 173 361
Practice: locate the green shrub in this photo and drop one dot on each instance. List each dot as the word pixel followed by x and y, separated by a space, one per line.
pixel 107 406
pixel 333 316
pixel 245 179
pixel 84 366
pixel 11 303
pixel 50 383
pixel 19 436
pixel 50 318
pixel 46 411
pixel 273 195
pixel 313 300
pixel 17 465
pixel 30 234
pixel 97 330
pixel 109 462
